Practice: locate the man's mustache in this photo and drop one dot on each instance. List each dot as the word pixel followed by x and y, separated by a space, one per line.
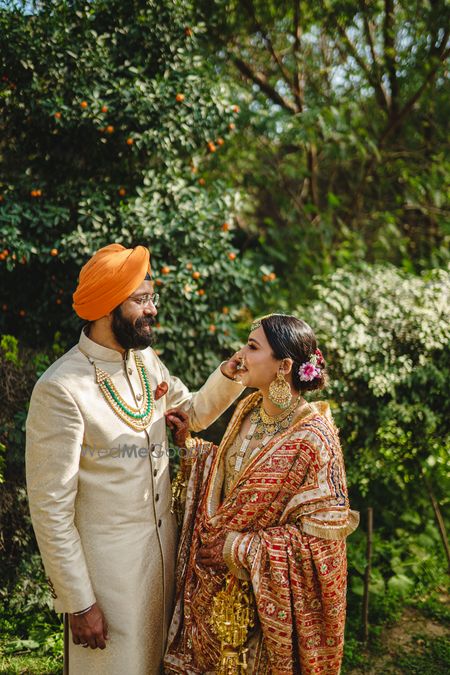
pixel 145 321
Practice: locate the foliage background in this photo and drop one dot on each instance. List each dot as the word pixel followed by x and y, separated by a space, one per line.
pixel 288 156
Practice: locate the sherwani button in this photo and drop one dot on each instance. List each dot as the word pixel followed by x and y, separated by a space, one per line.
pixel 159 522
pixel 130 370
pixel 156 498
pixel 138 396
pixel 155 471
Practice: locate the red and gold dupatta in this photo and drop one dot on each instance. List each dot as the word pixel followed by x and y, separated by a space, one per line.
pixel 286 520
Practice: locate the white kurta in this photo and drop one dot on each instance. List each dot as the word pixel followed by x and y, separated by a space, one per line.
pixel 99 495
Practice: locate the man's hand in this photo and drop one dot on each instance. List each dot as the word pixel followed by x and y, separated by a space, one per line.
pixel 89 629
pixel 178 423
pixel 230 367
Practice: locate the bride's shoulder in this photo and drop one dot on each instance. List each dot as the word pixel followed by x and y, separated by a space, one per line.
pixel 318 423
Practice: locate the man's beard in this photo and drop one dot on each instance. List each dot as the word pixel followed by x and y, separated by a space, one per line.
pixel 131 335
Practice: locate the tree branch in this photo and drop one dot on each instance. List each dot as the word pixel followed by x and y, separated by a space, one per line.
pixel 390 54
pixel 263 83
pixel 409 105
pixel 269 44
pixel 371 77
pixel 368 28
pixel 297 32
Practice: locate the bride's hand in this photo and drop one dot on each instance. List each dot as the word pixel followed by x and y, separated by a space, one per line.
pixel 211 556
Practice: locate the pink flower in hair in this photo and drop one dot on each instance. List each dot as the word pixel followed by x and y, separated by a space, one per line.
pixel 308 371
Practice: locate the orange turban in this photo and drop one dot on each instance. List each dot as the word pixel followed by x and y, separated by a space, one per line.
pixel 108 278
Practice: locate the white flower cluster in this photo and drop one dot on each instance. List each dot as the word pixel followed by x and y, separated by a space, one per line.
pixel 380 324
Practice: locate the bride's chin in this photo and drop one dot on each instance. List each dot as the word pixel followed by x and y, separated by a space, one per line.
pixel 241 377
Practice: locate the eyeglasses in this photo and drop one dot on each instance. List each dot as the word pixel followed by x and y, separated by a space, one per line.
pixel 146 299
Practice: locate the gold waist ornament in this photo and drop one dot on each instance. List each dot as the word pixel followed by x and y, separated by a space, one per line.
pixel 232 617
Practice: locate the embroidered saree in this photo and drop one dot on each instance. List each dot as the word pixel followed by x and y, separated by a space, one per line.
pixel 286 518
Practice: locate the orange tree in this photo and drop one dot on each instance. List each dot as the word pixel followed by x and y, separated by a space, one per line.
pixel 109 115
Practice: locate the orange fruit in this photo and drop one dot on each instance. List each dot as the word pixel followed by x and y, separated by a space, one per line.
pixel 232 255
pixel 235 108
pixel 188 31
pixel 13 256
pixel 212 328
pixel 232 126
pixel 265 277
pixel 84 104
pixel 22 312
pixel 159 282
pixel 38 193
pixel 54 252
pixel 201 291
pixel 194 168
pixel 211 147
pixel 121 192
pixel 189 266
pixel 2 199
pixel 23 260
pixel 58 301
pixel 272 276
pixel 165 270
pixel 2 256
pixel 179 98
pixel 225 227
pixel 33 193
pixel 225 310
pixel 220 141
pixel 201 181
pixel 5 252
pixel 104 108
pixel 130 141
pixel 196 275
pixel 109 129
pixel 57 115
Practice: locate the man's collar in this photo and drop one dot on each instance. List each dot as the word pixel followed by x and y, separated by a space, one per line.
pixel 98 352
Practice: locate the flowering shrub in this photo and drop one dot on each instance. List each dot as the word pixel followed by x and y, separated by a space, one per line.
pixel 386 337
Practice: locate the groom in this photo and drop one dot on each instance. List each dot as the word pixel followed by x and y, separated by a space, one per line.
pixel 98 470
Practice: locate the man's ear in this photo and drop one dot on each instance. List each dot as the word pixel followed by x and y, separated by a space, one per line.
pixel 286 366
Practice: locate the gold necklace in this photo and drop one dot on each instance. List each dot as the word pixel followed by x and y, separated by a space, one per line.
pixel 136 418
pixel 266 425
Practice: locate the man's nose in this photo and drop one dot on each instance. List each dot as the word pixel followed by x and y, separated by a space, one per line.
pixel 150 309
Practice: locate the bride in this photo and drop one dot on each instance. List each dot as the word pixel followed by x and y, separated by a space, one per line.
pixel 261 570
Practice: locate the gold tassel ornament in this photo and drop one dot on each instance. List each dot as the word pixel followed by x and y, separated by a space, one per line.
pixel 232 617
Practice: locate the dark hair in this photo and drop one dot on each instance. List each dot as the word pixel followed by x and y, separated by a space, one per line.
pixel 293 338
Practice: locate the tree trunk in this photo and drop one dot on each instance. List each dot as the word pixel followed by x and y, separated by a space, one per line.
pixel 440 522
pixel 365 607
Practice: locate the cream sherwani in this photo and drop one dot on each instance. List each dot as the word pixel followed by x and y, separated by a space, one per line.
pixel 100 498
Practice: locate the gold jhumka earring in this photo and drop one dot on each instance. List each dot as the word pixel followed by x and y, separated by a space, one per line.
pixel 280 392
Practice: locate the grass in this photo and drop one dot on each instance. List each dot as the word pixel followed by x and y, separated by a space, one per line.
pixel 30 664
